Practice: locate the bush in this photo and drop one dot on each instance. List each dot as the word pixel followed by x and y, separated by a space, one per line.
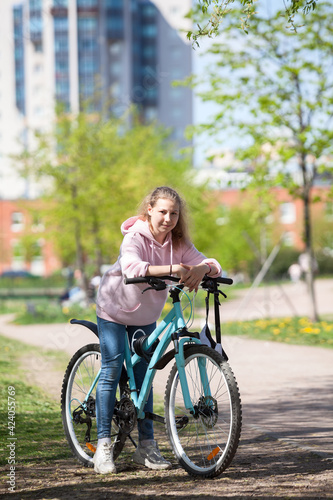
pixel 282 262
pixel 325 263
pixel 52 312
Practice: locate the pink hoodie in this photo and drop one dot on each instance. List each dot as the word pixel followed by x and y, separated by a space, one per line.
pixel 125 304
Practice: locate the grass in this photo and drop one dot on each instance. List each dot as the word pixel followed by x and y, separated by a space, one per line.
pixel 33 282
pixel 38 427
pixel 45 311
pixel 288 330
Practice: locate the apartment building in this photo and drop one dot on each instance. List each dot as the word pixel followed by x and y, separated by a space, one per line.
pixel 109 53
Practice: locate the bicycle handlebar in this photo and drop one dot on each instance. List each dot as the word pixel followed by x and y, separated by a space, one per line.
pixel 146 279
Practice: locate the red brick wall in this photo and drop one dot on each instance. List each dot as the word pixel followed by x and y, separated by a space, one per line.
pixel 8 235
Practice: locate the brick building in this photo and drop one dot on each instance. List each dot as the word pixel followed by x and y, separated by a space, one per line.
pixel 23 245
pixel 287 218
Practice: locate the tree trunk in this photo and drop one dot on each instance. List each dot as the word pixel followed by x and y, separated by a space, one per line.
pixel 78 243
pixel 98 246
pixel 308 244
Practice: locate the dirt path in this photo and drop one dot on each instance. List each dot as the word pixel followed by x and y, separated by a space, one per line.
pixel 263 468
pixel 286 449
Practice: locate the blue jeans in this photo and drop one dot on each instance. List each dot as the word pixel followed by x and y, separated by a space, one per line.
pixel 112 342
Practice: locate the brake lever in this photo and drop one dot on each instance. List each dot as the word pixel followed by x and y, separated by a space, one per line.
pixel 155 284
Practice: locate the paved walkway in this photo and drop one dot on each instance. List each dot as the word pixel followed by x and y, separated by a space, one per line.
pixel 286 390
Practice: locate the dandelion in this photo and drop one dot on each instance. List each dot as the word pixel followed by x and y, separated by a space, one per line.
pixel 276 331
pixel 309 329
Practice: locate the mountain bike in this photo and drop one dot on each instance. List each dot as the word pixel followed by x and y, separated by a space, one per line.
pixel 202 407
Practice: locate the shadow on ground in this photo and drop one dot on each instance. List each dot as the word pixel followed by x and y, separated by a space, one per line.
pixel 263 468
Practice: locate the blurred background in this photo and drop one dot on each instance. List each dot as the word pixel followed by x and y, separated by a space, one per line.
pixel 102 100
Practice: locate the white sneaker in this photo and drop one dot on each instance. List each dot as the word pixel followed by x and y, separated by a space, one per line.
pixel 148 454
pixel 103 459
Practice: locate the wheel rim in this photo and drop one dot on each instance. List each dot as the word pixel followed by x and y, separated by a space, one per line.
pixel 80 380
pixel 202 443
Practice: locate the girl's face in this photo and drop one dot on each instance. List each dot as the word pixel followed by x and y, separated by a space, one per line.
pixel 163 217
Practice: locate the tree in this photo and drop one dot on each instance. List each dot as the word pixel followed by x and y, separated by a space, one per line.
pixel 209 14
pixel 274 91
pixel 96 172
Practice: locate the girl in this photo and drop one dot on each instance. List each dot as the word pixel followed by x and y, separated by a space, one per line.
pixel 155 243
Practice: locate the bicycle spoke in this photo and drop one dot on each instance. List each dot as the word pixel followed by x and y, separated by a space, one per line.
pixel 207 443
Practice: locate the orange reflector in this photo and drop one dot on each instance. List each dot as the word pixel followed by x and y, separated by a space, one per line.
pixel 213 453
pixel 91 447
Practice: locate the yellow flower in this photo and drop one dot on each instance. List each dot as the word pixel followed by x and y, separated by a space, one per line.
pixel 65 310
pixel 309 329
pixel 276 331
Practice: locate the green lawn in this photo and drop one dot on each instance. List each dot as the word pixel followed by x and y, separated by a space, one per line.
pixel 36 424
pixel 289 330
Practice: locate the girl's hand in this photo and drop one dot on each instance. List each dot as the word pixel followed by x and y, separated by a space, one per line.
pixel 191 276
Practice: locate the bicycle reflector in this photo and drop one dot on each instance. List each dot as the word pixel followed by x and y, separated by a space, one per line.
pixel 214 453
pixel 91 447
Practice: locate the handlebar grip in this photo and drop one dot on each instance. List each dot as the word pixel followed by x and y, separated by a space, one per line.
pixel 225 281
pixel 148 279
pixel 133 281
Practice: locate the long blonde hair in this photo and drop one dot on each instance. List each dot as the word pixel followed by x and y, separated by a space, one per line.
pixel 180 231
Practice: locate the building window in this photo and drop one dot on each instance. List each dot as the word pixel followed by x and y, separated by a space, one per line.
pixel 60 3
pixel 60 24
pixel 149 30
pixel 115 48
pixel 287 213
pixel 17 222
pixel 118 4
pixel 87 3
pixel 150 113
pixel 87 24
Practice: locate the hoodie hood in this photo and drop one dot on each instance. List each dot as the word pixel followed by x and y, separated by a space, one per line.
pixel 137 225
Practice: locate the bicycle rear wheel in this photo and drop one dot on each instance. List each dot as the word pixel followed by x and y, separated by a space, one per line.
pixel 204 442
pixel 78 416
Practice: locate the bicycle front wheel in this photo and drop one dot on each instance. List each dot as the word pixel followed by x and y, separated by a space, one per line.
pixel 79 411
pixel 206 440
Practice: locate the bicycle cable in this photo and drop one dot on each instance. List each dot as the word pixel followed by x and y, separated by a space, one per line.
pixel 191 316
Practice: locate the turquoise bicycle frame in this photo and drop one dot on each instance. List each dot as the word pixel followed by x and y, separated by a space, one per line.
pixel 172 323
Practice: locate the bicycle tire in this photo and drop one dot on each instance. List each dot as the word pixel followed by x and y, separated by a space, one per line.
pixel 206 442
pixel 79 376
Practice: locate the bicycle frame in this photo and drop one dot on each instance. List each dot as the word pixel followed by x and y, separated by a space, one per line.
pixel 171 324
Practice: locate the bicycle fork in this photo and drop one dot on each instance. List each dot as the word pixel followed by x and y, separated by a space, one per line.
pixel 180 361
